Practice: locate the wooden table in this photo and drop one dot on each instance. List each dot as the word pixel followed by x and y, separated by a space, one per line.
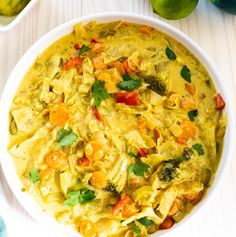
pixel 213 30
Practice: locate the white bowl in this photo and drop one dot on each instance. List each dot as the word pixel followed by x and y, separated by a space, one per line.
pixel 9 22
pixel 27 60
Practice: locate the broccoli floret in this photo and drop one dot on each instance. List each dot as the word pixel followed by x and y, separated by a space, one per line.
pixel 168 172
pixel 156 85
pixel 111 187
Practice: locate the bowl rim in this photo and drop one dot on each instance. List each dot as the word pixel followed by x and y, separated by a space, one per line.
pixel 25 62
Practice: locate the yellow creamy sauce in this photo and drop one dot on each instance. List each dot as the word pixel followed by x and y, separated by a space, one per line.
pixel 114 130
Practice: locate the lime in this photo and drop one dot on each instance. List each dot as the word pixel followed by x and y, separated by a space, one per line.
pixel 12 7
pixel 173 9
pixel 226 5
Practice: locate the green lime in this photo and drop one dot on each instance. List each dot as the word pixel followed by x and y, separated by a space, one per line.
pixel 173 9
pixel 226 5
pixel 12 7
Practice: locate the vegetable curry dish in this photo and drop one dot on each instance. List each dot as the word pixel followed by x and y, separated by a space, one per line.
pixel 116 130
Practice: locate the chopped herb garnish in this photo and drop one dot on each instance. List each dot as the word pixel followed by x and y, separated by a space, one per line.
pixel 199 149
pixel 130 85
pixel 65 138
pixel 83 49
pixel 156 85
pixel 133 155
pixel 144 221
pixel 99 92
pixel 138 169
pixel 170 54
pixel 193 114
pixel 72 198
pixel 185 73
pixel 86 196
pixel 135 228
pixel 81 196
pixel 34 176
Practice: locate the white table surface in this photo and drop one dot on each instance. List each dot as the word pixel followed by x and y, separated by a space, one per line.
pixel 212 29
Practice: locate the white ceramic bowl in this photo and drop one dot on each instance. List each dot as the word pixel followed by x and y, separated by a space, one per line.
pixel 27 60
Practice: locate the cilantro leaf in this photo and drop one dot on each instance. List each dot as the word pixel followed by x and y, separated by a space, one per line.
pixel 187 153
pixel 72 198
pixel 138 169
pixel 81 196
pixel 86 195
pixel 130 84
pixel 99 92
pixel 193 114
pixel 83 49
pixel 144 221
pixel 34 176
pixel 199 149
pixel 127 77
pixel 170 54
pixel 65 138
pixel 135 228
pixel 186 74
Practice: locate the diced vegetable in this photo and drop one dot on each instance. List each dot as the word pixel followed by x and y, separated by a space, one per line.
pixel 94 150
pixel 96 47
pixel 99 62
pixel 77 47
pixel 125 199
pixel 56 160
pixel 185 73
pixel 142 152
pixel 167 223
pixel 83 162
pixel 87 228
pixel 59 115
pixel 34 176
pixel 65 138
pixel 74 61
pixel 110 82
pixel 130 210
pixel 189 130
pixel 97 115
pixel 194 198
pixel 175 207
pixel 119 66
pixel 99 92
pixel 127 67
pixel 98 179
pixel 219 101
pixel 170 54
pixel 145 30
pixel 129 98
pixel 142 124
pixel 156 85
pixel 190 87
